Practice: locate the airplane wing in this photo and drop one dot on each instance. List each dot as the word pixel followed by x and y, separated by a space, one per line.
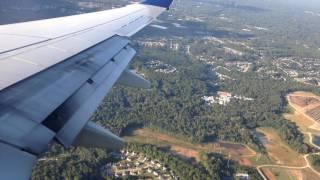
pixel 53 75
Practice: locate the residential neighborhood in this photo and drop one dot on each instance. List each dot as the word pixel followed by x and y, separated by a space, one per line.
pixel 137 164
pixel 159 66
pixel 305 70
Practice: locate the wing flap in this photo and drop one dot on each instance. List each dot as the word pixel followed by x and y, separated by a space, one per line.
pixel 95 136
pixel 24 106
pixel 53 75
pixel 77 110
pixel 15 164
pixel 130 78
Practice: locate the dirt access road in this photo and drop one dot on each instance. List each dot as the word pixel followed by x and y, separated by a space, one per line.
pixel 301 102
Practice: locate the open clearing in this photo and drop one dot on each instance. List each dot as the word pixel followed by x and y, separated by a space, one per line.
pixel 309 175
pixel 267 172
pixel 303 122
pixel 283 163
pixel 282 174
pixel 279 152
pixel 289 174
pixel 237 152
pixel 305 106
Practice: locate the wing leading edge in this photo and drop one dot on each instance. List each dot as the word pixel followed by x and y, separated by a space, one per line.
pixel 53 75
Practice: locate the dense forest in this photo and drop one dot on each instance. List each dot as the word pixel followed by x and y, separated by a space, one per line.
pixel 75 163
pixel 174 104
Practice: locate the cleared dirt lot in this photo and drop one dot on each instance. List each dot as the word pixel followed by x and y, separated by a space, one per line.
pixel 314 113
pixel 306 107
pixel 303 101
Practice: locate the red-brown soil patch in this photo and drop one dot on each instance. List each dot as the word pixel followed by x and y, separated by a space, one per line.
pixel 186 152
pixel 268 174
pixel 303 101
pixel 245 162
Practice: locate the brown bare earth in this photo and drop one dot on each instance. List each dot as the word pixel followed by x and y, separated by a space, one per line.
pixel 279 152
pixel 237 152
pixel 302 121
pixel 295 174
pixel 268 174
pixel 307 174
pixel 307 111
pixel 186 152
pixel 314 113
pixel 245 162
pixel 303 101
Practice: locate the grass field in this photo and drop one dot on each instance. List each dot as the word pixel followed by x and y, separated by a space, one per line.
pixel 260 159
pixel 289 174
pixel 285 174
pixel 316 167
pixel 309 175
pixel 302 122
pixel 279 152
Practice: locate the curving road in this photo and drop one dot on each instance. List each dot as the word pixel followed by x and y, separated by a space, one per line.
pixel 308 165
pixel 259 168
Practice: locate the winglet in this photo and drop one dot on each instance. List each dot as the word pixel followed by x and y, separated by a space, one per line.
pixel 160 3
